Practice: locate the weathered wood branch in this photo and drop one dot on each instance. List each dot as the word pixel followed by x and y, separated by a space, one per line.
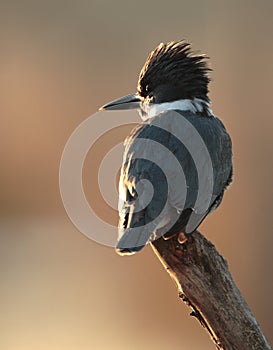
pixel 206 285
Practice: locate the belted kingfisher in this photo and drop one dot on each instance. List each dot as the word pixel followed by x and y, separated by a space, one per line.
pixel 178 162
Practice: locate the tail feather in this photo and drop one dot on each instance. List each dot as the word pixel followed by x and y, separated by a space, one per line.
pixel 133 240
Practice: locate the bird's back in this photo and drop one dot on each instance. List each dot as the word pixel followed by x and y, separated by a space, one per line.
pixel 175 169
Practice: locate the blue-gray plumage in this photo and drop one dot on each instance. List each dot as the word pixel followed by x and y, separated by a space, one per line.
pixel 178 162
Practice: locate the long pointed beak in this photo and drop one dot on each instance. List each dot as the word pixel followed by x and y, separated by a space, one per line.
pixel 126 102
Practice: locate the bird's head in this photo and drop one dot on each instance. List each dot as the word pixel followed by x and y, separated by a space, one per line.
pixel 171 72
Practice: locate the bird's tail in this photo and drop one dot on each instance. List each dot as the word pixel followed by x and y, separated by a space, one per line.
pixel 132 240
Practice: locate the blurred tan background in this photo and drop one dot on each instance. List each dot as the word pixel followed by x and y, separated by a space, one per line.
pixel 60 61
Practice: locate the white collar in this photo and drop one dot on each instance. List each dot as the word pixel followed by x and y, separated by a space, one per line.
pixel 196 105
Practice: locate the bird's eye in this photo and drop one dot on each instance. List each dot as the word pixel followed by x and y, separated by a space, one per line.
pixel 144 90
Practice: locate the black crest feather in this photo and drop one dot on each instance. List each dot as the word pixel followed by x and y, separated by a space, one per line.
pixel 172 71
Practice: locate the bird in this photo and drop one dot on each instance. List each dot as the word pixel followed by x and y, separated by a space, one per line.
pixel 177 161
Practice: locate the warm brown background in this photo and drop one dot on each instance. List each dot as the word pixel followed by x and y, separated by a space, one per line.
pixel 61 60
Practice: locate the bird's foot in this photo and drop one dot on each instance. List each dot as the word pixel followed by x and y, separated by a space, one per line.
pixel 182 238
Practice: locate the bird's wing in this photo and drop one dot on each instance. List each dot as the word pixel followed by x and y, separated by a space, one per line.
pixel 160 179
pixel 143 191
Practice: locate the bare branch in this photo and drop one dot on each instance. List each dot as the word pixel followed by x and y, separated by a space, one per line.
pixel 206 285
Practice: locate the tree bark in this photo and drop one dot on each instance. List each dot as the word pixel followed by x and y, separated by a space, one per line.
pixel 206 285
